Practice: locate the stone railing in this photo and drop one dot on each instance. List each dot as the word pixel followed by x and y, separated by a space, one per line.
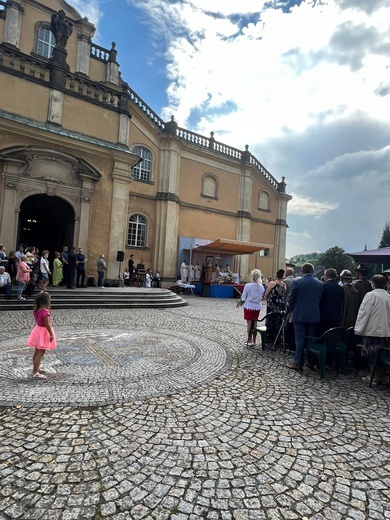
pixel 208 142
pixel 22 65
pixel 100 53
pixel 92 91
pixel 134 98
pixel 264 172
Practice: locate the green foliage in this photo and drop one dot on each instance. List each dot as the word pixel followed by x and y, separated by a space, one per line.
pixel 299 260
pixel 385 240
pixel 335 257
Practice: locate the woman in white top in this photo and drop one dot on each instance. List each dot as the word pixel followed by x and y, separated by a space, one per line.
pixel 251 298
pixel 373 322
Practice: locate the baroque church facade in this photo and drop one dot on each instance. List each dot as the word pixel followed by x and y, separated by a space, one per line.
pixel 85 161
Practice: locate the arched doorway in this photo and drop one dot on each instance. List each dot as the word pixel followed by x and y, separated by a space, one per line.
pixel 46 222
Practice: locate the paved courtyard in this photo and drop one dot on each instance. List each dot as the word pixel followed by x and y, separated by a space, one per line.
pixel 164 414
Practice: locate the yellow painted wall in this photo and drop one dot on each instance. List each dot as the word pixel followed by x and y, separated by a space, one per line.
pixel 90 119
pixel 37 96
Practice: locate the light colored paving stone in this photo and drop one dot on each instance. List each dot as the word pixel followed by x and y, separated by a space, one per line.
pixel 164 414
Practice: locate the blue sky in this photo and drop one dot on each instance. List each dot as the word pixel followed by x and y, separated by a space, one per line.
pixel 305 83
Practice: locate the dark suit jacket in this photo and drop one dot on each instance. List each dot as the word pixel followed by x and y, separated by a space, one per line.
pixel 332 302
pixel 304 299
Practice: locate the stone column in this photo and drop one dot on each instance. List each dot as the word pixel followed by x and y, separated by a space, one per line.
pixel 85 212
pixel 9 216
pixel 281 234
pixel 14 11
pixel 56 104
pixel 244 224
pixel 112 67
pixel 166 254
pixel 86 32
pixel 121 178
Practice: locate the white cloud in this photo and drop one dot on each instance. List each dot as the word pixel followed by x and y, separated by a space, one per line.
pixel 307 89
pixel 305 206
pixel 88 8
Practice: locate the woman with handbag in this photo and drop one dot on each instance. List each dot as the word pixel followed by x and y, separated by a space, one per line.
pixel 23 276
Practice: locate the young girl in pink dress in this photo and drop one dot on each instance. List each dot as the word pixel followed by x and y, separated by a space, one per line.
pixel 42 336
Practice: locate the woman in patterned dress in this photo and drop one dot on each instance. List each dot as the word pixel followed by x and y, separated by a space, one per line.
pixel 275 296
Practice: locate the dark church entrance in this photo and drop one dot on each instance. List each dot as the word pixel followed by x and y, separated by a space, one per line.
pixel 46 222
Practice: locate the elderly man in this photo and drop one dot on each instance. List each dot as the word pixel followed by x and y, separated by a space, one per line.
pixel 304 303
pixel 5 283
pixel 361 284
pixel 351 301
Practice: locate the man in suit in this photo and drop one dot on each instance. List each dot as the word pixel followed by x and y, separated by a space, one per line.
pixel 304 303
pixel 331 303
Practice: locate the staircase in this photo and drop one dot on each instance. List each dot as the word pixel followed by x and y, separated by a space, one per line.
pixel 97 298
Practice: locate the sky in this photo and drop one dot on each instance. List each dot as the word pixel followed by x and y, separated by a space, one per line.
pixel 304 83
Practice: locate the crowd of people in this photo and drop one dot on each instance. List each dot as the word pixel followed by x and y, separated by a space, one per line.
pixel 308 307
pixel 28 268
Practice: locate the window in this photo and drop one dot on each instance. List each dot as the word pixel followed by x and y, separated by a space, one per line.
pixel 142 172
pixel 46 42
pixel 210 186
pixel 263 201
pixel 136 236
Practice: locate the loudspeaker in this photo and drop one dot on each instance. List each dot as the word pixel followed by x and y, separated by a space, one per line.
pixel 120 256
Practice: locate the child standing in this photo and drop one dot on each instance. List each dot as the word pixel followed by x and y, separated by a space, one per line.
pixel 42 336
pixel 45 271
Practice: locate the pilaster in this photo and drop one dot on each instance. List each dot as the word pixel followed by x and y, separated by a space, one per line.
pixel 9 218
pixel 86 32
pixel 121 178
pixel 13 21
pixel 168 209
pixel 56 103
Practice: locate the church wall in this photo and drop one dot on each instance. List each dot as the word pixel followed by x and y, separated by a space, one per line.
pixel 147 208
pixel 206 224
pixel 36 97
pixel 192 172
pixel 97 70
pixel 90 119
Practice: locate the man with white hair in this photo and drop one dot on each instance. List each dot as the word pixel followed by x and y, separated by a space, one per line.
pixel 5 283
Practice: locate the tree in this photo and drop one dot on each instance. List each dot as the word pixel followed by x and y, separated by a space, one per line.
pixel 385 240
pixel 299 260
pixel 335 257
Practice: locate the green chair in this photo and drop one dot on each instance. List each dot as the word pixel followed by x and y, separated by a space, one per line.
pixel 382 359
pixel 354 345
pixel 331 343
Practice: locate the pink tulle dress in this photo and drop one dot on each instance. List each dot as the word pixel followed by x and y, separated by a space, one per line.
pixel 39 337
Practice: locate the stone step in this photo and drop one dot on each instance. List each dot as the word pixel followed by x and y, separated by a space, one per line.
pixel 94 297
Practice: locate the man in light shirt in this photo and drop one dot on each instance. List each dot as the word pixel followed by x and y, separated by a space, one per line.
pixel 5 283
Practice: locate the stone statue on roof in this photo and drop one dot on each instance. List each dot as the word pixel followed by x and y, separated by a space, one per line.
pixel 61 28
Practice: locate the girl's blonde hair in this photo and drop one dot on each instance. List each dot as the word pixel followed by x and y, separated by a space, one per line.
pixel 42 300
pixel 256 275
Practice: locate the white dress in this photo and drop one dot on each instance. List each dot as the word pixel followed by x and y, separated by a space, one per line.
pixel 183 272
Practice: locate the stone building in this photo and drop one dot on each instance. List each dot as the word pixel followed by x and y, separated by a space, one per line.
pixel 85 161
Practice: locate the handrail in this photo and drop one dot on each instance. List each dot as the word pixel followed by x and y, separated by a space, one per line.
pixel 24 65
pixel 99 53
pixel 134 98
pixel 91 90
pixel 270 178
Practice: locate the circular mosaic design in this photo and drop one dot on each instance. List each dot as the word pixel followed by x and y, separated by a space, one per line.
pixel 109 365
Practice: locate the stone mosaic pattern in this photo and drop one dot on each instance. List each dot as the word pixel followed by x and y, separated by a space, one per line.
pixel 249 440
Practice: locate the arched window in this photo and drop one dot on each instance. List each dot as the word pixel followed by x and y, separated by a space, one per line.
pixel 45 42
pixel 263 200
pixel 136 236
pixel 143 170
pixel 210 186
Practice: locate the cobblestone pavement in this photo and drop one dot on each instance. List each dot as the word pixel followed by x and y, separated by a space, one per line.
pixel 164 414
